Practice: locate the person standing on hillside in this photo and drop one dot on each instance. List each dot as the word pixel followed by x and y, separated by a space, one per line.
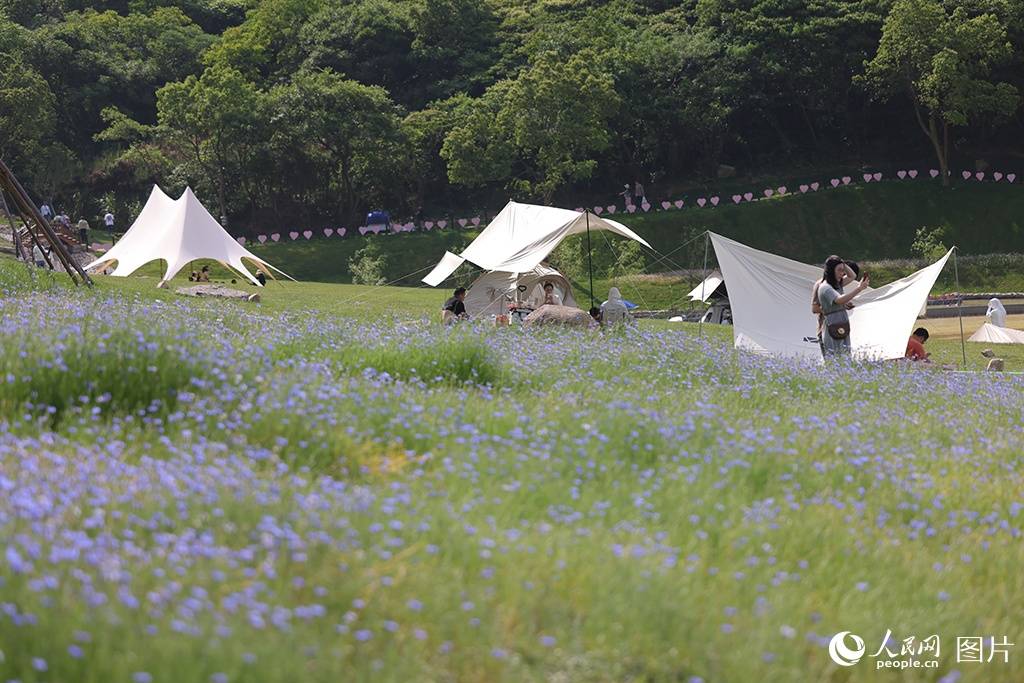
pixel 835 337
pixel 639 196
pixel 108 221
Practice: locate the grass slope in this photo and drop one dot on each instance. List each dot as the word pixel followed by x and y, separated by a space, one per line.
pixel 866 221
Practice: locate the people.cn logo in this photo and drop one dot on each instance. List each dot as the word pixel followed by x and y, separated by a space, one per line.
pixel 843 655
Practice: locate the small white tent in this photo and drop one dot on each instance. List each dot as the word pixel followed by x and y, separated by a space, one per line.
pixel 994 331
pixel 770 297
pixel 522 236
pixel 178 232
pixel 707 287
pixel 491 293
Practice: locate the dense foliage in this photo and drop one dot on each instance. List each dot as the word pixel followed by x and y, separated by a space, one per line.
pixel 315 110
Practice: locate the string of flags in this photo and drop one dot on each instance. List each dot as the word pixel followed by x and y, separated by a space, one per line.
pixel 645 206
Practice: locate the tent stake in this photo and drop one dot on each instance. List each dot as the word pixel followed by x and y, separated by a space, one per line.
pixel 590 263
pixel 959 308
pixel 703 284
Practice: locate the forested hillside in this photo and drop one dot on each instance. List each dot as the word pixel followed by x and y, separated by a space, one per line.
pixel 316 110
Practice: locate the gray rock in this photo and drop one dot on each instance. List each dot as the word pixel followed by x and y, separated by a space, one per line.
pixel 566 316
pixel 218 291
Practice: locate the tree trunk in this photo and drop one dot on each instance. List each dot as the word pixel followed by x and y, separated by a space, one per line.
pixel 941 147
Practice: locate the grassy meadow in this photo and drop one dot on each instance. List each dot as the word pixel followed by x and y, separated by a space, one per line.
pixel 330 486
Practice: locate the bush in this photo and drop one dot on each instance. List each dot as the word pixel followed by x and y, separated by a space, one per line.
pixel 368 265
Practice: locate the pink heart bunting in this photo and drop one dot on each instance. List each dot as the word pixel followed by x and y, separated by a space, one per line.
pixel 736 199
pixel 328 231
pixel 262 238
pixel 631 208
pixel 966 174
pixel 748 196
pixel 679 203
pixel 714 201
pixel 611 208
pixel 666 205
pixel 877 176
pixel 934 173
pixel 645 206
pixel 475 220
pixel 701 202
pixel 867 177
pixel 846 180
pixel 307 233
pixel 428 225
pixel 769 192
pixel 997 176
pixel 804 188
pixel 815 186
pixel 442 224
pixel 341 232
pixel 901 174
pixel 241 240
pixel 980 175
pixel 598 210
pixel 294 235
pixel 834 182
pixel 1010 177
pixel 463 222
pixel 579 210
pixel 275 237
pixel 912 174
pixel 783 190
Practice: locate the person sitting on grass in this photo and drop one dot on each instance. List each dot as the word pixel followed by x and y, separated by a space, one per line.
pixel 915 346
pixel 204 274
pixel 193 276
pixel 454 308
pixel 614 309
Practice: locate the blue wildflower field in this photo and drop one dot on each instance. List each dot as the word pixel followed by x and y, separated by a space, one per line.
pixel 194 492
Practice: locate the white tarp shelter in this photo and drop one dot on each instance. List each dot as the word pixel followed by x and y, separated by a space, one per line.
pixel 770 298
pixel 522 236
pixel 491 293
pixel 178 232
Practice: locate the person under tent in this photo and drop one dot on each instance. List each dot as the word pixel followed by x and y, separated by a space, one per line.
pixel 614 309
pixel 915 346
pixel 455 307
pixel 551 297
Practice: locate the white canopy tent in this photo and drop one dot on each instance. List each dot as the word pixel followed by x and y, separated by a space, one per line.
pixel 770 298
pixel 178 232
pixel 493 291
pixel 707 287
pixel 521 236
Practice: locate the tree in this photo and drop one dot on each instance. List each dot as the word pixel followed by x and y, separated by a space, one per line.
pixel 213 119
pixel 943 62
pixel 351 131
pixel 550 123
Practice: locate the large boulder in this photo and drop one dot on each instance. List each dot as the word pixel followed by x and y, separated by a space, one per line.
pixel 558 315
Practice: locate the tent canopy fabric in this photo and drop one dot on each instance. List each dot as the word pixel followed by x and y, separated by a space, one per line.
pixel 997 334
pixel 521 236
pixel 770 298
pixel 178 232
pixel 704 291
pixel 492 291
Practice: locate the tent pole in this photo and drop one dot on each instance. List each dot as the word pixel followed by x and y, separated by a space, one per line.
pixel 959 308
pixel 590 262
pixel 703 284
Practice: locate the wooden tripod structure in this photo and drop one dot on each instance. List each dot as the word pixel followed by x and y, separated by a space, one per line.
pixel 37 229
